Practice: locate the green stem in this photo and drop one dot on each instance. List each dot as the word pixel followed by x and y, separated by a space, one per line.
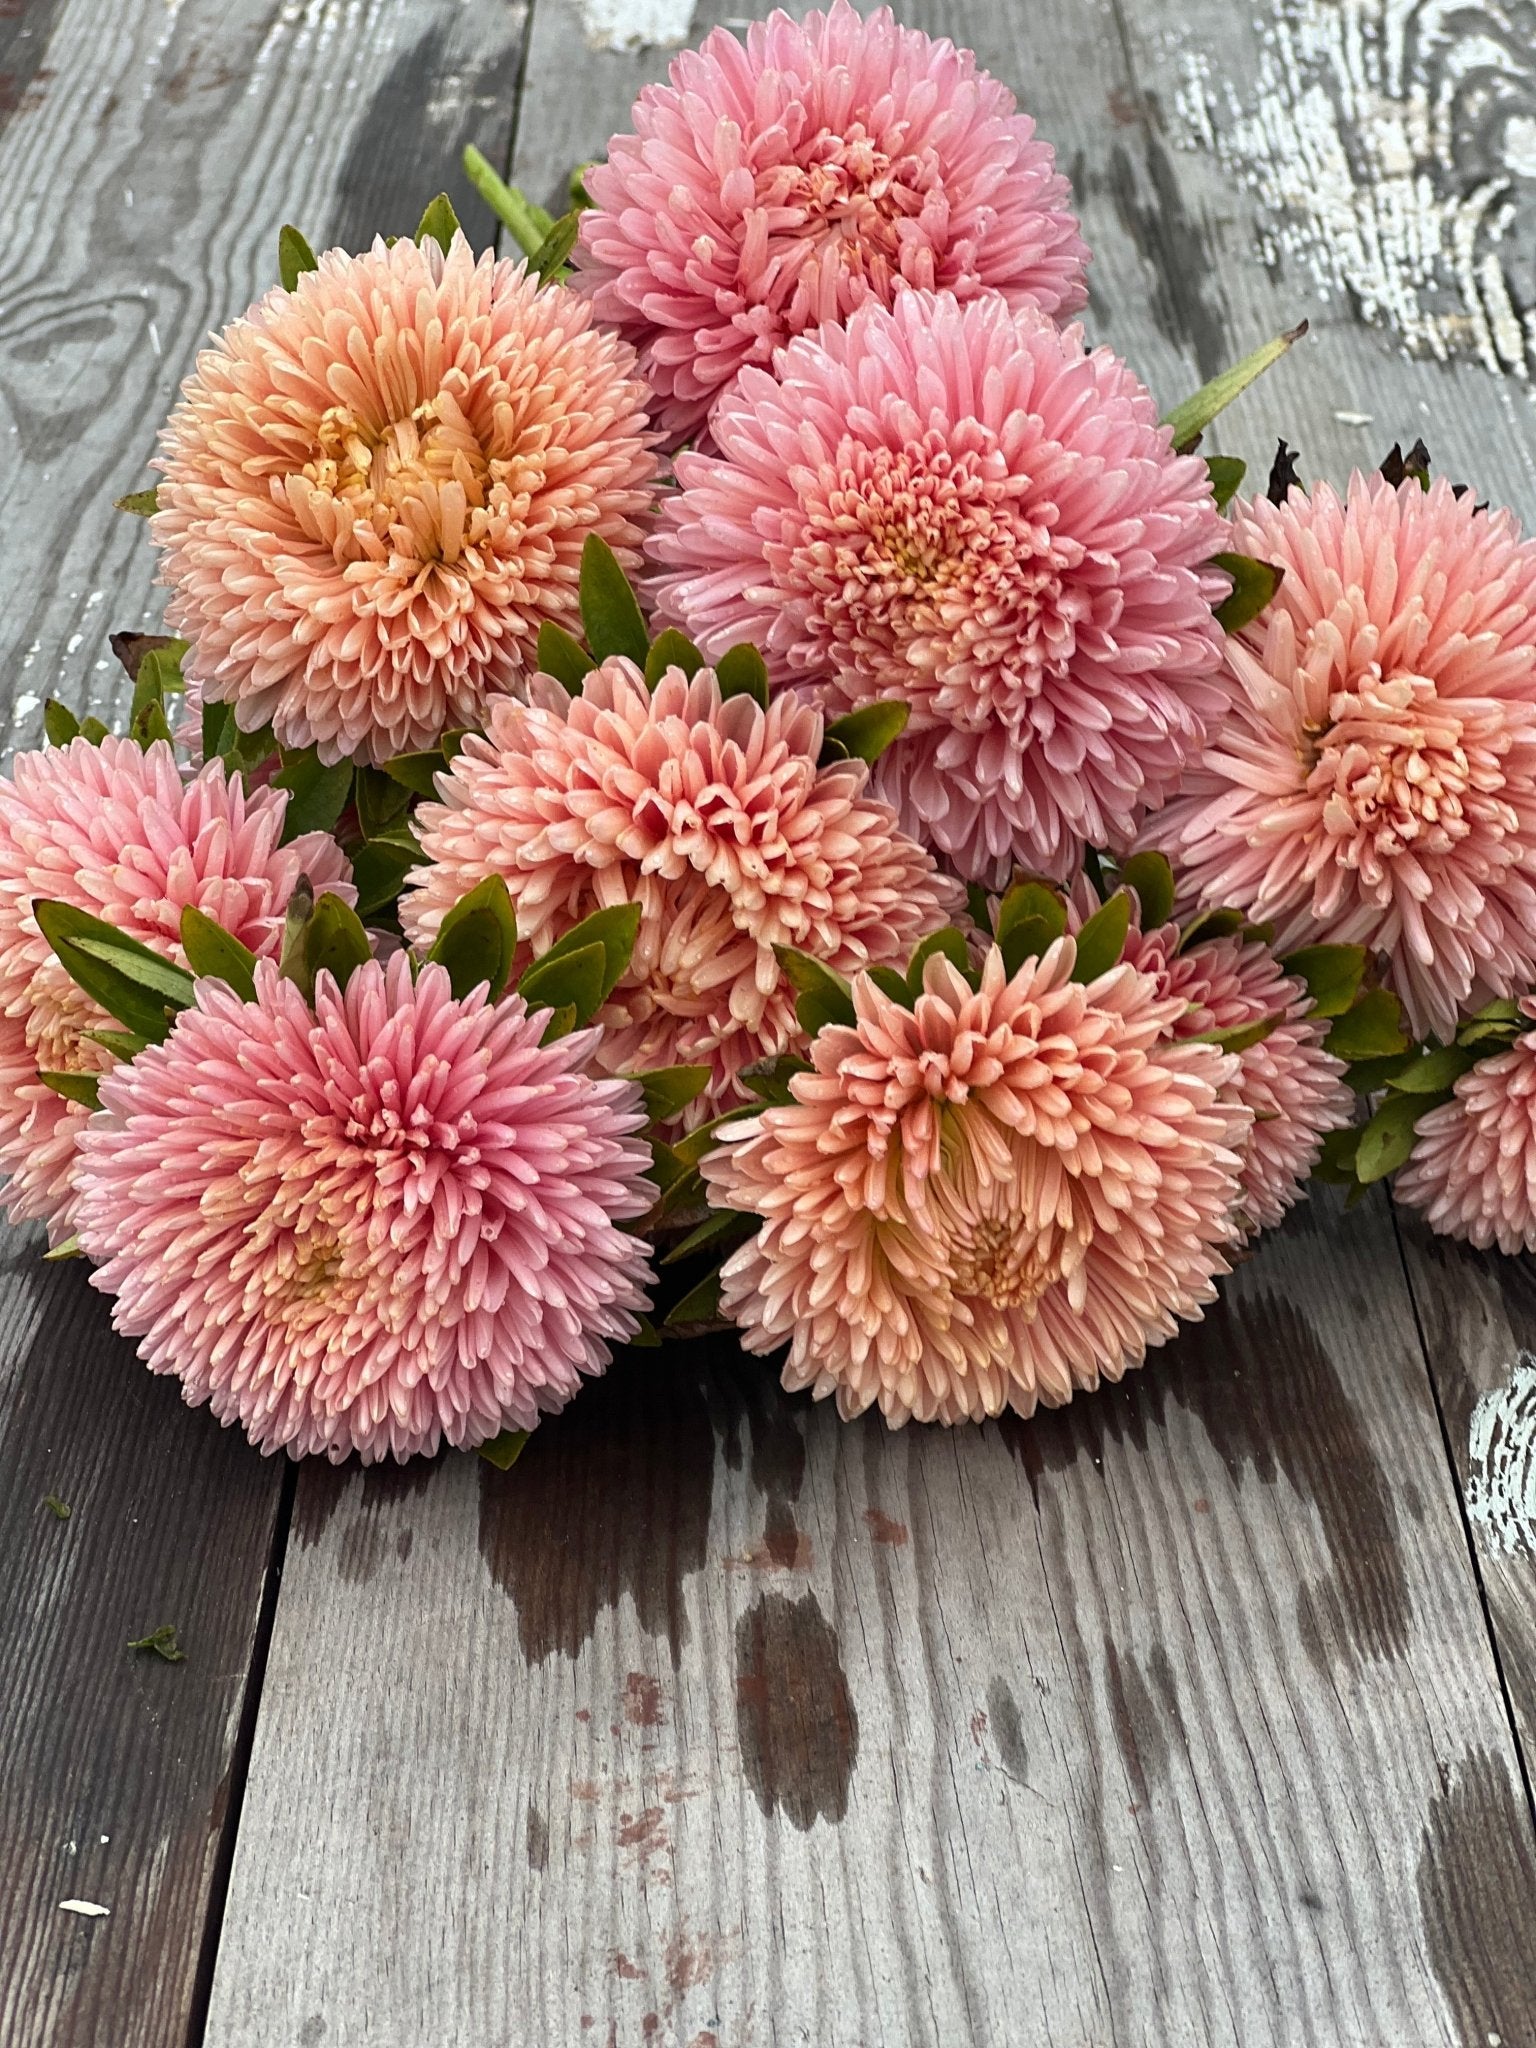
pixel 530 224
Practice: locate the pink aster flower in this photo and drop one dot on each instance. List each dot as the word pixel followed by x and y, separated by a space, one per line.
pixel 1376 783
pixel 829 163
pixel 1473 1166
pixel 715 818
pixel 379 1225
pixel 1294 1090
pixel 962 507
pixel 988 1202
pixel 113 829
pixel 377 487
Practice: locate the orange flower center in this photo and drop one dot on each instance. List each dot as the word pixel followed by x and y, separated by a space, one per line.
pixel 1396 768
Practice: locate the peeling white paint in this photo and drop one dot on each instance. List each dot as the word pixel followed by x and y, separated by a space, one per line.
pixel 1392 144
pixel 87 1908
pixel 635 24
pixel 1501 1478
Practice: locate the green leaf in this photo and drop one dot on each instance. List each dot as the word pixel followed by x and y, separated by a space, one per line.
pixel 742 672
pixel 615 930
pixel 504 1451
pixel 530 224
pixel 1436 1073
pixel 1367 1076
pixel 548 260
pixel 439 223
pixel 1102 939
pixel 123 1045
pixel 317 794
pixel 891 984
pixel 951 943
pixel 1190 420
pixel 1336 1160
pixel 60 724
pixel 722 1230
pixel 294 257
pixel 93 730
pixel 671 649
pixel 562 1023
pixel 1332 974
pixel 212 950
pixel 979 904
pixel 382 802
pixel 699 1310
pixel 150 725
pixel 162 1641
pixel 822 997
pixel 290 959
pixel 158 671
pixel 1369 1029
pixel 1227 474
pixel 477 939
pixel 142 504
pixel 1387 1139
pixel 647 1337
pixel 1254 584
pixel 769 1079
pixel 84 1088
pixel 69 1249
pixel 1221 922
pixel 610 611
pixel 59 1509
pixel 562 656
pixel 573 981
pixel 1238 1037
pixel 242 751
pixel 133 984
pixel 667 1091
pixel 1151 876
pixel 379 869
pixel 216 720
pixel 867 732
pixel 418 772
pixel 334 941
pixel 1030 919
pixel 1493 1028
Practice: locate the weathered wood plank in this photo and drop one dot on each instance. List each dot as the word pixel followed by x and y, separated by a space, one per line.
pixel 153 154
pixel 188 136
pixel 1168 1719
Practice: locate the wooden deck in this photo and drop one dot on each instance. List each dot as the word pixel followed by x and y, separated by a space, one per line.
pixel 1202 1712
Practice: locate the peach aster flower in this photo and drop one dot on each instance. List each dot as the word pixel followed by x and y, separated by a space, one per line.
pixel 377 487
pixel 387 1223
pixel 1376 782
pixel 828 163
pixel 114 830
pixel 988 1201
pixel 714 817
pixel 1472 1170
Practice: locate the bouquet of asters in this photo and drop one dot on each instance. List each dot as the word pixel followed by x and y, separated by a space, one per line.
pixel 736 770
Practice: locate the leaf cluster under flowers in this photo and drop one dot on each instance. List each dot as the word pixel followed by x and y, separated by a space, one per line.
pixel 1407 1083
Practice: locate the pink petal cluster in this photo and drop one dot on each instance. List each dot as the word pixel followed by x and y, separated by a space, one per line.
pixel 114 830
pixel 377 487
pixel 1473 1166
pixel 381 1225
pixel 987 1202
pixel 963 508
pixel 828 163
pixel 1294 1089
pixel 1376 782
pixel 715 818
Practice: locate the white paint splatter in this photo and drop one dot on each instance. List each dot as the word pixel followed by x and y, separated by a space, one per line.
pixel 635 24
pixel 1392 144
pixel 87 1908
pixel 1501 1479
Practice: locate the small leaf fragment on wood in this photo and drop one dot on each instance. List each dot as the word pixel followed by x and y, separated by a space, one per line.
pixel 162 1642
pixel 59 1509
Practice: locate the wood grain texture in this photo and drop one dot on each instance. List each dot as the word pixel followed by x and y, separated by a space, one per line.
pixel 195 130
pixel 1170 1718
pixel 115 1770
pixel 152 155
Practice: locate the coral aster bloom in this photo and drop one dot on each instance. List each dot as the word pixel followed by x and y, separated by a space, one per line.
pixel 1473 1166
pixel 1376 783
pixel 962 507
pixel 387 1223
pixel 377 486
pixel 828 163
pixel 715 818
pixel 1295 1090
pixel 114 830
pixel 989 1202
